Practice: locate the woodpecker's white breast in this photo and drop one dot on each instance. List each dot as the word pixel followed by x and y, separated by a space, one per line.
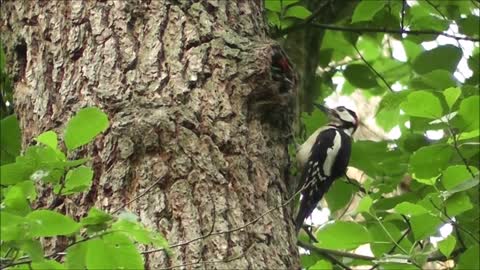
pixel 305 149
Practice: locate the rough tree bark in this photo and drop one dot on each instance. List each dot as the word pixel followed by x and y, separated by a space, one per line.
pixel 191 103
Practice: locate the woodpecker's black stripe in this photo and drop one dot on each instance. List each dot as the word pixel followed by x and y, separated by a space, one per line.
pixel 313 174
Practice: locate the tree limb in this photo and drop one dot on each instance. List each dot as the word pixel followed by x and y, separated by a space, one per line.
pixel 361 30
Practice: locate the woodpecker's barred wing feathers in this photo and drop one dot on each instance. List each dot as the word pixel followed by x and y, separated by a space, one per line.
pixel 328 160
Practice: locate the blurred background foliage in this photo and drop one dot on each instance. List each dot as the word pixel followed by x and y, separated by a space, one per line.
pixel 410 69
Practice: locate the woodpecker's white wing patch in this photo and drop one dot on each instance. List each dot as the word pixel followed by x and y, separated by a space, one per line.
pixel 332 154
pixel 305 149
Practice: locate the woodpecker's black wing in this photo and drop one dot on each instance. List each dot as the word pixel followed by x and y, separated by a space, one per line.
pixel 328 161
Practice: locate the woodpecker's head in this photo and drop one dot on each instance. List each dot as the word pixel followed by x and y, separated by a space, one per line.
pixel 341 117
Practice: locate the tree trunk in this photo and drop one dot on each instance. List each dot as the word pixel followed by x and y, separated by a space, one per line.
pixel 193 111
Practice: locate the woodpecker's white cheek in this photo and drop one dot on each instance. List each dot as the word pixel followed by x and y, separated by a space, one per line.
pixel 332 154
pixel 346 117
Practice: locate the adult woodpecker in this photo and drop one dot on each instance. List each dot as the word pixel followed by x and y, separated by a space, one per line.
pixel 324 157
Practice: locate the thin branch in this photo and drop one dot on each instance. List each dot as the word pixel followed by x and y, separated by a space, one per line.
pixel 334 252
pixel 356 184
pixel 402 22
pixel 453 222
pixel 441 257
pixel 304 23
pixel 457 149
pixel 372 68
pixel 138 196
pixel 209 262
pixel 409 229
pixel 436 9
pixel 361 30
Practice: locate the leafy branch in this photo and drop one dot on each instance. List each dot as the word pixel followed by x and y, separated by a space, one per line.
pixel 361 30
pixel 372 68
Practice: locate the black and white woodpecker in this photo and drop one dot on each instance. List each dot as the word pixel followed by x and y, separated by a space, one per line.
pixel 324 157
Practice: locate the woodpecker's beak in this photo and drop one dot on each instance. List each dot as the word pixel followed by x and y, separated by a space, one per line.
pixel 322 108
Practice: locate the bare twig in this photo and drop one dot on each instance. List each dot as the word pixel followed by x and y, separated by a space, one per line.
pixel 453 222
pixel 402 22
pixel 334 252
pixel 409 229
pixel 138 196
pixel 209 262
pixel 436 9
pixel 372 68
pixel 305 22
pixel 457 149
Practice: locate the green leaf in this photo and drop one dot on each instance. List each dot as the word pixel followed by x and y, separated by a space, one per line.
pixel 365 204
pixel 14 172
pixel 464 186
pixel 339 195
pixel 429 161
pixel 361 76
pixel 29 190
pixel 410 209
pixel 391 100
pixel 10 139
pixel 451 95
pixel 140 233
pixel 447 245
pixel 76 256
pixel 273 18
pixel 277 6
pixel 342 235
pixel 48 138
pixel 422 104
pixel 458 203
pixel 50 223
pixel 113 251
pixel 455 175
pixel 47 265
pixel 307 260
pixel 15 201
pixel 34 249
pixel 469 25
pixel 437 80
pixel 444 57
pixel 84 126
pixel 382 242
pixel 321 265
pixel 424 225
pixel 469 259
pixel 96 216
pixel 369 47
pixel 412 49
pixel 13 227
pixel 297 12
pixel 366 10
pixel 469 112
pixel 387 119
pixel 78 179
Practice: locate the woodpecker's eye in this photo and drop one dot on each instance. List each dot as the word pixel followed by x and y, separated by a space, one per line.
pixel 341 109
